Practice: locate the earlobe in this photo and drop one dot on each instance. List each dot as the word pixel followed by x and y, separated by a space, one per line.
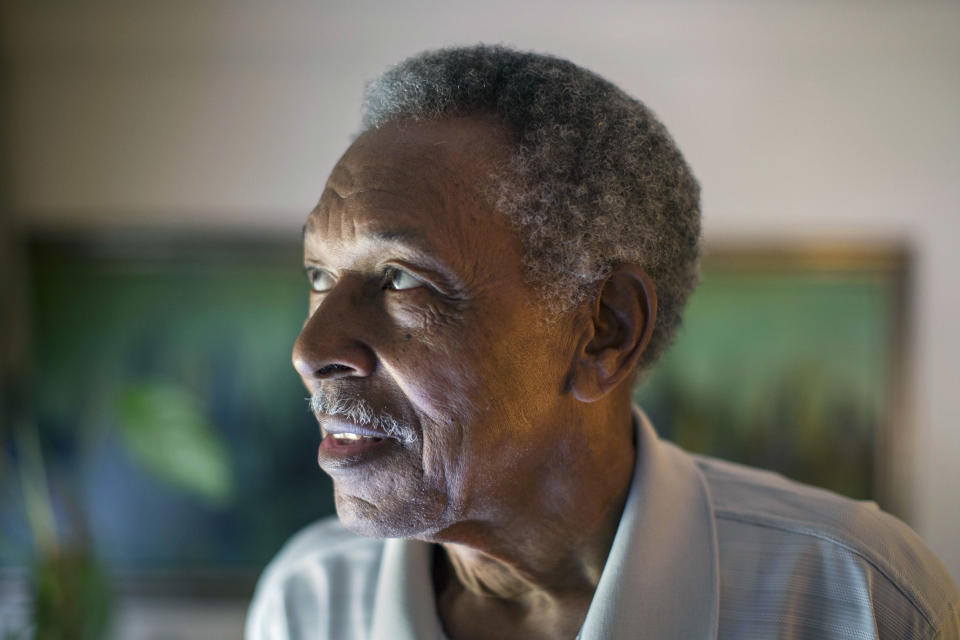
pixel 620 325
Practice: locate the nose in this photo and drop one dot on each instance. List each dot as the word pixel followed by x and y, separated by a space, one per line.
pixel 329 345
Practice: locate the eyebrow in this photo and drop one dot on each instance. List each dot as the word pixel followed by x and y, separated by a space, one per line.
pixel 410 239
pixel 407 237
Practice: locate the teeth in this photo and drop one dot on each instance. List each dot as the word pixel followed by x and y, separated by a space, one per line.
pixel 346 436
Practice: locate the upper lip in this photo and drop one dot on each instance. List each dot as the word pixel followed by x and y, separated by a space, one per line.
pixel 338 424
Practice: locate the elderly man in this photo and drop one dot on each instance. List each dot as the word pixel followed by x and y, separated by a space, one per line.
pixel 508 242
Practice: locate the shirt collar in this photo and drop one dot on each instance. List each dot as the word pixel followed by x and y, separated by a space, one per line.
pixel 405 607
pixel 660 579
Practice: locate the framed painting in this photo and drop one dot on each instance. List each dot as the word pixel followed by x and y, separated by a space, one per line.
pixel 790 358
pixel 176 436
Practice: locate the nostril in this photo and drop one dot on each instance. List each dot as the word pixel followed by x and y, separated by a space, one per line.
pixel 331 370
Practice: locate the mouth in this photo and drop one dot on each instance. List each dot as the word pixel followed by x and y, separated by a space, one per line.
pixel 347 444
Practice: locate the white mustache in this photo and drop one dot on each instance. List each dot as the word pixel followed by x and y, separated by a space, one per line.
pixel 362 413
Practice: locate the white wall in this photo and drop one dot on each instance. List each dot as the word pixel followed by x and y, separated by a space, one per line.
pixel 821 120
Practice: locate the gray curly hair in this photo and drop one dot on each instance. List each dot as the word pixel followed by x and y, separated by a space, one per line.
pixel 595 179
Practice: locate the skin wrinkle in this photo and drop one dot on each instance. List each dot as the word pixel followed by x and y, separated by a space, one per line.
pixel 362 228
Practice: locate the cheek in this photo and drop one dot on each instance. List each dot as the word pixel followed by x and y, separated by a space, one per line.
pixel 524 388
pixel 437 376
pixel 438 368
pixel 420 312
pixel 431 356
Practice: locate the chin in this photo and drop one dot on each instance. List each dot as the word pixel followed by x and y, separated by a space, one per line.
pixel 404 520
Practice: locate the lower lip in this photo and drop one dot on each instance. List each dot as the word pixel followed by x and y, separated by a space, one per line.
pixel 347 452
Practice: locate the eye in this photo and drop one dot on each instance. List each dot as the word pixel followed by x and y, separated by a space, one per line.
pixel 320 280
pixel 400 280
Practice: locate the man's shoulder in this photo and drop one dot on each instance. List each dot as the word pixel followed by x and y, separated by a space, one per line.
pixel 770 499
pixel 321 568
pixel 323 546
pixel 805 536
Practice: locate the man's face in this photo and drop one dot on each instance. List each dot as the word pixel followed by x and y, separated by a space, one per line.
pixel 419 311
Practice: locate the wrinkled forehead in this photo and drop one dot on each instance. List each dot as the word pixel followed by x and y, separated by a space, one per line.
pixel 407 176
pixel 376 188
pixel 418 192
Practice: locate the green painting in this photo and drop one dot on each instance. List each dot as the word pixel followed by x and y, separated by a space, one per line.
pixel 784 365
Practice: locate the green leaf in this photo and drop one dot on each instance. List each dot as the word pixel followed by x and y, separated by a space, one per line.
pixel 166 430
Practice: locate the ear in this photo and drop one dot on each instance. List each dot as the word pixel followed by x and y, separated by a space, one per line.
pixel 621 323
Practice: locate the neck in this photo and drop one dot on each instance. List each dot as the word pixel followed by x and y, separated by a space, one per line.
pixel 532 571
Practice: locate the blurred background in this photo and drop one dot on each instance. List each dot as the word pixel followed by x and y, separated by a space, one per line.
pixel 158 161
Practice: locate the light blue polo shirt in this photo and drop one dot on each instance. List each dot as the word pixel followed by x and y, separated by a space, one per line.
pixel 705 549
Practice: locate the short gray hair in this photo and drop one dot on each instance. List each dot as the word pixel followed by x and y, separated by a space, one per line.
pixel 595 180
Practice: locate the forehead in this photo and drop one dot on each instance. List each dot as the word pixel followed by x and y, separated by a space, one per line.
pixel 412 179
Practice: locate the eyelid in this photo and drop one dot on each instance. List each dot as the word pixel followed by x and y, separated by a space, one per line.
pixel 310 270
pixel 434 280
pixel 391 274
